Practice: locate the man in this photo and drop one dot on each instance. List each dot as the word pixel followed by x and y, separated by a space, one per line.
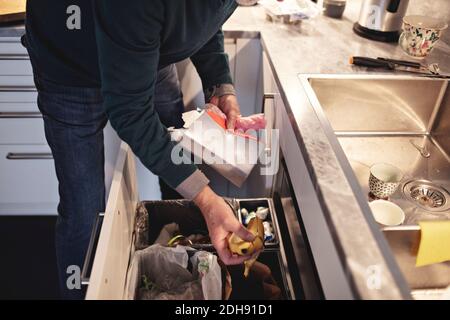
pixel 128 53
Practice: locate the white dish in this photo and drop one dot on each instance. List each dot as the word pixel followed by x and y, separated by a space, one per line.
pixel 387 213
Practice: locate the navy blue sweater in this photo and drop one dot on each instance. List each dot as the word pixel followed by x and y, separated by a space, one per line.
pixel 122 52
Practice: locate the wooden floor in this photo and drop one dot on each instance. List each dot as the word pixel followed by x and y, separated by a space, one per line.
pixel 27 258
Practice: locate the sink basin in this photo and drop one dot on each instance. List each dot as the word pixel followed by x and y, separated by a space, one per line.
pixel 403 121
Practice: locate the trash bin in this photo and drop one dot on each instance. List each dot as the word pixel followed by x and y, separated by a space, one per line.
pixel 267 281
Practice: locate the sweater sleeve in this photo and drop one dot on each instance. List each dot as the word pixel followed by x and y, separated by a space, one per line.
pixel 211 62
pixel 128 44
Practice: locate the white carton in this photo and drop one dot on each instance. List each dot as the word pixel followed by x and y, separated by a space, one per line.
pixel 232 154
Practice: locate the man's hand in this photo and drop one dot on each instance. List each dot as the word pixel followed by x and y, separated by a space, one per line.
pixel 221 222
pixel 230 106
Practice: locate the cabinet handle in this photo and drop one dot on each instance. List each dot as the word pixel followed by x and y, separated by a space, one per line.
pixel 267 96
pixel 20 115
pixel 92 248
pixel 29 156
pixel 18 89
pixel 14 57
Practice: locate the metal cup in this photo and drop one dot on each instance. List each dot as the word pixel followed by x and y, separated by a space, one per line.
pixel 384 180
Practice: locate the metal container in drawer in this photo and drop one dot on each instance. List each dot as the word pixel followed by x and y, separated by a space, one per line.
pixel 252 205
pixel 27 179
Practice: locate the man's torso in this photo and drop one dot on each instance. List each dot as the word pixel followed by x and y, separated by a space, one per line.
pixel 61 35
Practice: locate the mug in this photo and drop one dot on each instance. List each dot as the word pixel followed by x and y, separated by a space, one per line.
pixel 420 34
pixel 384 180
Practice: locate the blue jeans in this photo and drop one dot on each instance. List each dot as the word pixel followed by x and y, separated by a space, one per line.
pixel 74 120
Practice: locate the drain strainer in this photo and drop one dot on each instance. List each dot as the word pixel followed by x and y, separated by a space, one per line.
pixel 427 195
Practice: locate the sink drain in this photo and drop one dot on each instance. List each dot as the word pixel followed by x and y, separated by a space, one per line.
pixel 427 195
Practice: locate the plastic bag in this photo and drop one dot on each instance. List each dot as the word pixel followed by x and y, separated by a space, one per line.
pixel 180 273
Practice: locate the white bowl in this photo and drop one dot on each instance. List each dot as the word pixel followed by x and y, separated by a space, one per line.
pixel 386 173
pixel 387 213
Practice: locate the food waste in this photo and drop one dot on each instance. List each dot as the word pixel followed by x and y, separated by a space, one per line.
pixel 262 213
pixel 253 248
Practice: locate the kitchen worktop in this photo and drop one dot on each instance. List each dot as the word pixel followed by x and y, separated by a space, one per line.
pixel 323 45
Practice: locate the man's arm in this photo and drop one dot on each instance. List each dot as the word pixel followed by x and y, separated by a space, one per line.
pixel 211 62
pixel 212 65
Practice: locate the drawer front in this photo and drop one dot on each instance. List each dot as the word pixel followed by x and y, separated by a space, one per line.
pixel 16 95
pixel 111 256
pixel 27 177
pixel 16 67
pixel 19 128
pixel 16 82
pixel 12 48
pixel 13 104
pixel 16 109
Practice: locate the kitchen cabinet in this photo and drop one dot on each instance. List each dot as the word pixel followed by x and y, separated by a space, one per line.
pixel 247 74
pixel 27 180
pixel 18 129
pixel 11 46
pixel 28 184
pixel 15 67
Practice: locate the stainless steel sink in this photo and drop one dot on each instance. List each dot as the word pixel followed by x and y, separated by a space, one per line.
pixel 403 121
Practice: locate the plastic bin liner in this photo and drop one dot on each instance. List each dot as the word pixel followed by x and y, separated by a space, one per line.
pixel 180 273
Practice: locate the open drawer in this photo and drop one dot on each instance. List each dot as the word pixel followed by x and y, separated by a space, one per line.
pixel 116 236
